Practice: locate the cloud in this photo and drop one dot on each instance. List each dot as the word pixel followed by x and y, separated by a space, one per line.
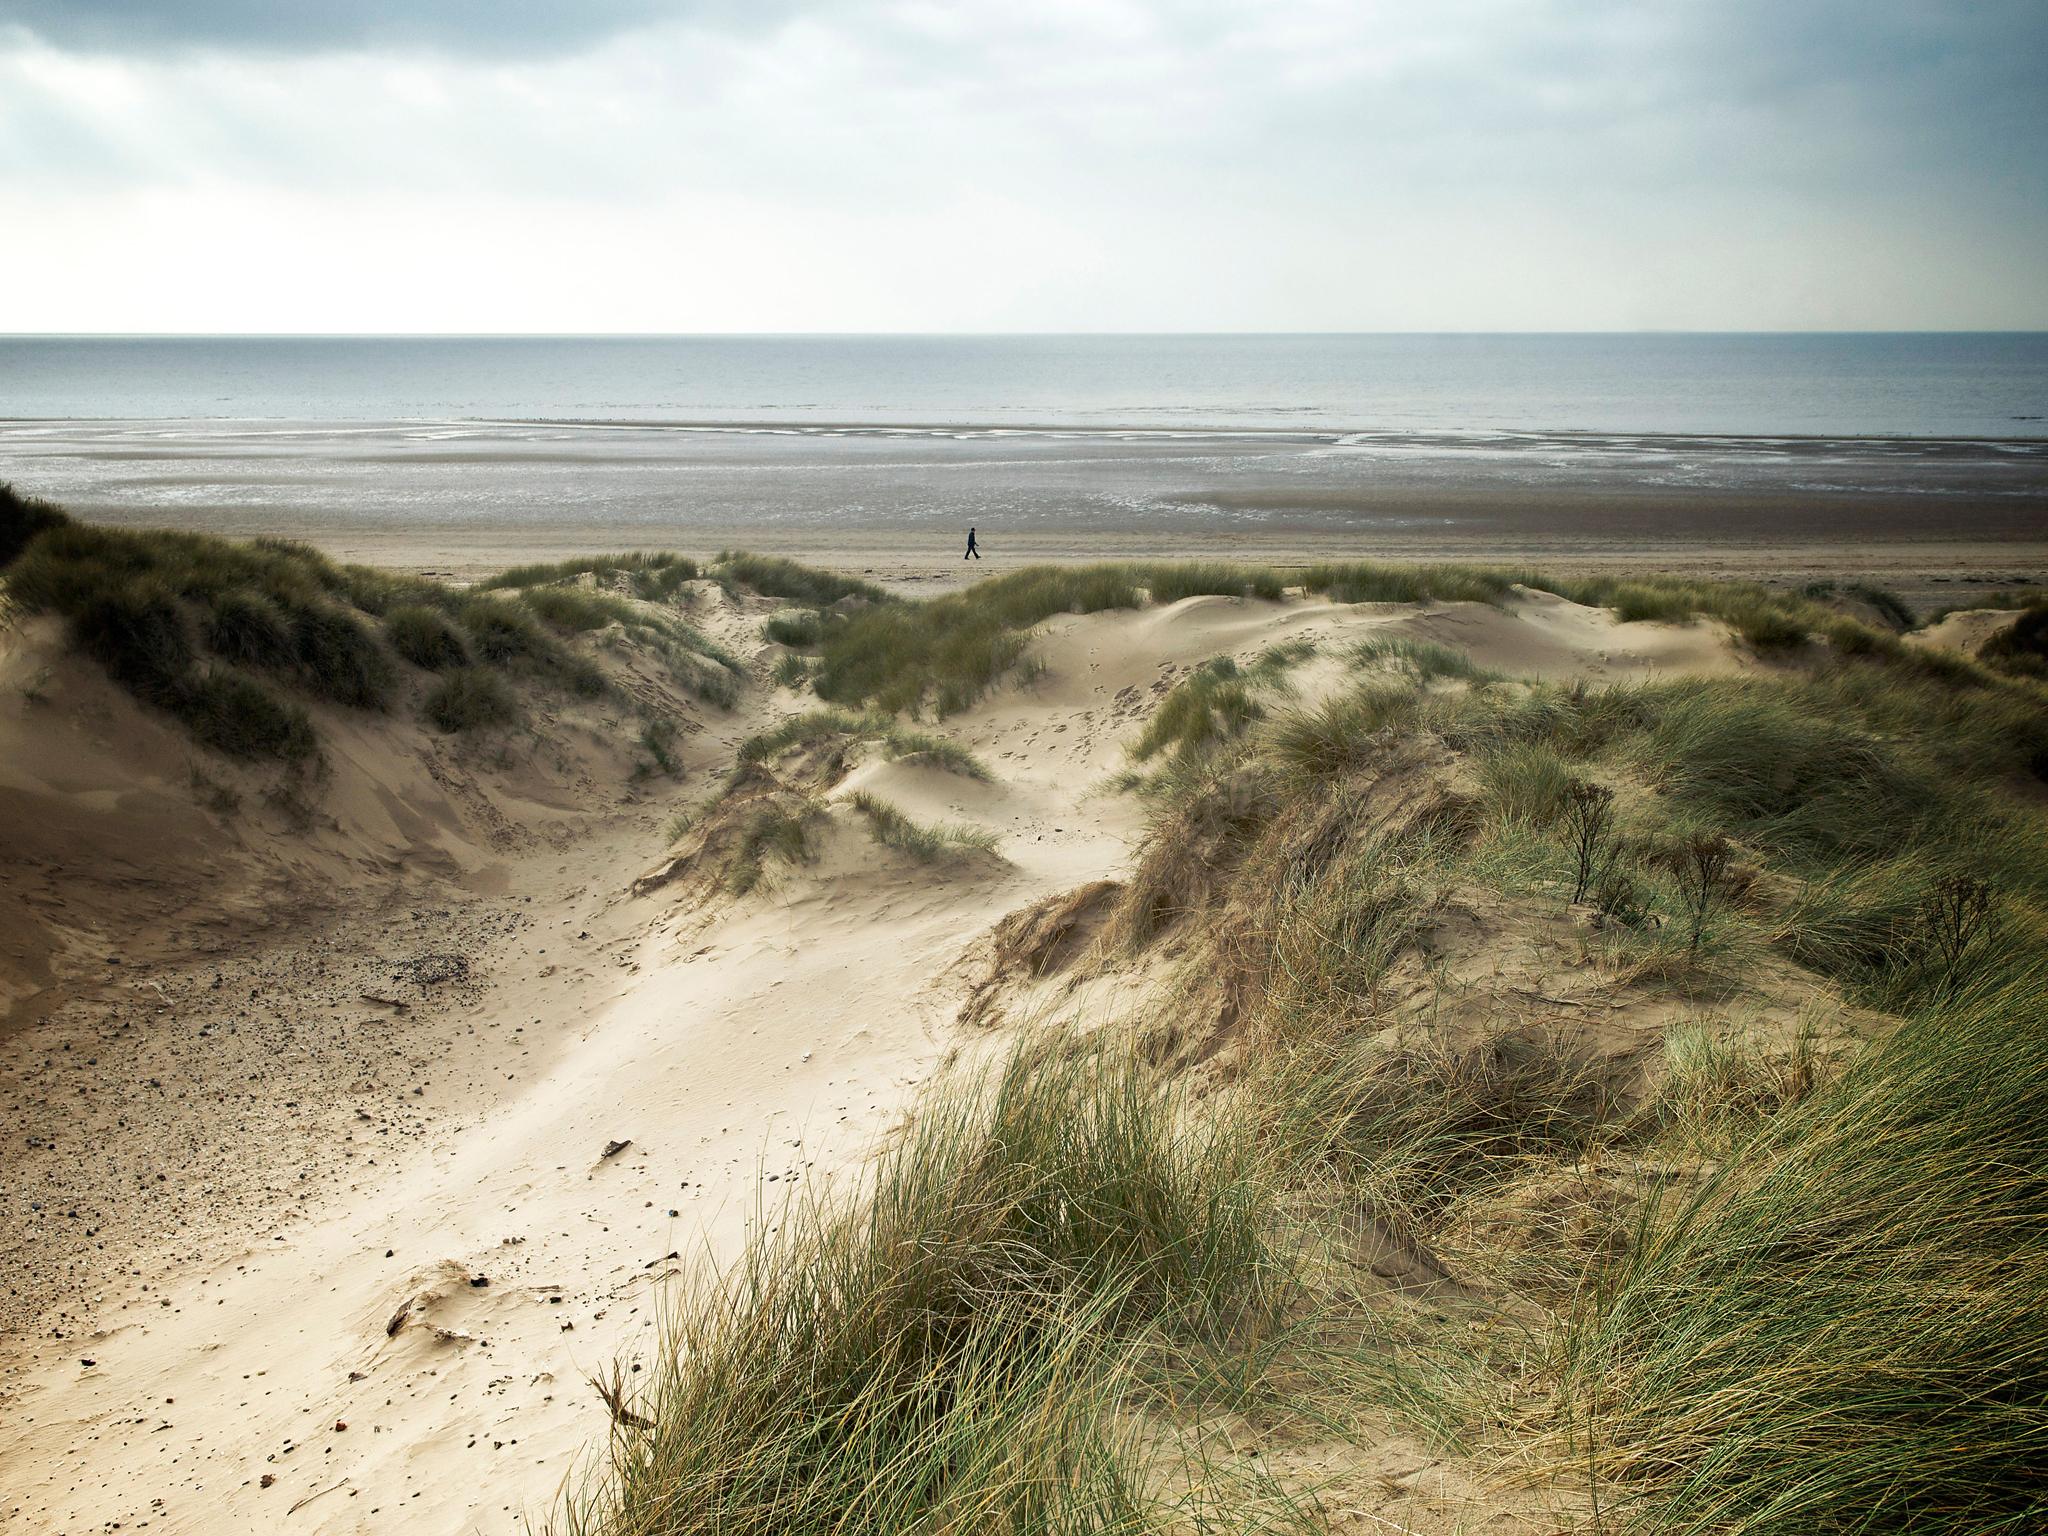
pixel 1176 164
pixel 478 27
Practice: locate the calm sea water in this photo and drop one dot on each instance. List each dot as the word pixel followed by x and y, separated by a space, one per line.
pixel 1974 386
pixel 663 434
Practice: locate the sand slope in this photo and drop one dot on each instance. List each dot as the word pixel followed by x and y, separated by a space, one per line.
pixel 314 1209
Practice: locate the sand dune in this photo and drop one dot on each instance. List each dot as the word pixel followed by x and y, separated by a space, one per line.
pixel 355 1146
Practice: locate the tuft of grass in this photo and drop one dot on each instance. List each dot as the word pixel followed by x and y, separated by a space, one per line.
pixel 772 830
pixel 803 729
pixel 892 829
pixel 1364 581
pixel 1169 583
pixel 1895 610
pixel 2021 649
pixel 1767 620
pixel 1424 660
pixel 21 519
pixel 504 633
pixel 340 657
pixel 658 740
pixel 1212 703
pixel 903 745
pixel 1340 735
pixel 945 1348
pixel 653 575
pixel 1842 1322
pixel 139 632
pixel 696 662
pixel 248 629
pixel 1716 1093
pixel 1415 1123
pixel 792 671
pixel 1528 781
pixel 470 698
pixel 573 610
pixel 426 637
pixel 773 576
pixel 948 651
pixel 898 743
pixel 236 715
pixel 803 628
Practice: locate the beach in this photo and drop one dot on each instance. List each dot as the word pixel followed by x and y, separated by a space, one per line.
pixel 1930 519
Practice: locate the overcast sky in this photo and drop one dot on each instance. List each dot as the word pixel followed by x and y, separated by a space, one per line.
pixel 946 165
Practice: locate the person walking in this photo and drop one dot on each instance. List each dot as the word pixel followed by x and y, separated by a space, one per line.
pixel 973 550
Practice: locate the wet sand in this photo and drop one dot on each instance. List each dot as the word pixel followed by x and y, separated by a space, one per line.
pixel 1931 519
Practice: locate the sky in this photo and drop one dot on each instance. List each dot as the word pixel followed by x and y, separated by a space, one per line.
pixel 1022 165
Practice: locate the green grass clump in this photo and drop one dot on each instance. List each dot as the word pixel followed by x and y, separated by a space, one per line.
pixel 653 575
pixel 943 1349
pixel 773 576
pixel 426 637
pixel 1416 1122
pixel 504 633
pixel 1894 609
pixel 892 829
pixel 803 628
pixel 803 729
pixel 1843 1323
pixel 1891 608
pixel 341 658
pixel 1767 620
pixel 574 611
pixel 504 630
pixel 1339 735
pixel 248 629
pixel 140 633
pixel 903 745
pixel 1364 581
pixel 21 519
pixel 1212 704
pixel 898 743
pixel 2021 649
pixel 236 715
pixel 1527 781
pixel 952 649
pixel 792 671
pixel 470 698
pixel 658 741
pixel 1425 660
pixel 773 829
pixel 1170 582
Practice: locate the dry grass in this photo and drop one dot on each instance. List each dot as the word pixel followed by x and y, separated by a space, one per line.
pixel 951 1347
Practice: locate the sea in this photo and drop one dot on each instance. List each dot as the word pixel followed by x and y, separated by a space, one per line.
pixel 273 432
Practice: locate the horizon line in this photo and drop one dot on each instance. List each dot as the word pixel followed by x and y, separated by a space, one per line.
pixel 941 335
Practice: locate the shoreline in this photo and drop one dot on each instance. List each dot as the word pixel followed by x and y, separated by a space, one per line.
pixel 1935 568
